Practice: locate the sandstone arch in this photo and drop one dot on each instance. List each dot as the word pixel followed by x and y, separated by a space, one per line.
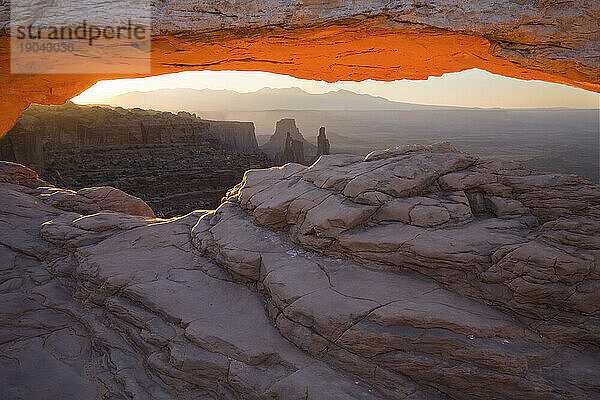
pixel 545 40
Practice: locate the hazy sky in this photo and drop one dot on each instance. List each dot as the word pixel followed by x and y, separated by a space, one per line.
pixel 473 88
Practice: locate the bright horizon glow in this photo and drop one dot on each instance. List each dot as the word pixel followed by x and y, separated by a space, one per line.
pixel 470 88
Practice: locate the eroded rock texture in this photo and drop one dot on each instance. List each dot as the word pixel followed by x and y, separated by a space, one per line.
pixel 293 151
pixel 414 273
pixel 287 144
pixel 176 163
pixel 44 130
pixel 323 146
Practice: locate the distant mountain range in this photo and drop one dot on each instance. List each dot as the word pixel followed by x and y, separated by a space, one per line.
pixel 265 99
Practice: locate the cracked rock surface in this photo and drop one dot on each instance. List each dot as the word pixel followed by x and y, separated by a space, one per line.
pixel 332 40
pixel 413 273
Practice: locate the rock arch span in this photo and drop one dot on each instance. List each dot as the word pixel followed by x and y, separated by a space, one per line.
pixel 341 40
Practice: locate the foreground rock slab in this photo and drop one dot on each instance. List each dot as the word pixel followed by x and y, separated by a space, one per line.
pixel 553 41
pixel 414 273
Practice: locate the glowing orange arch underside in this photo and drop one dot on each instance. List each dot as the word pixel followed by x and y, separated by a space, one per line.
pixel 327 53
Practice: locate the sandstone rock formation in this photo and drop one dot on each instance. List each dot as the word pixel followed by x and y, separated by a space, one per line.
pixel 84 201
pixel 546 40
pixel 279 141
pixel 177 163
pixel 293 151
pixel 412 273
pixel 44 129
pixel 323 146
pixel 235 136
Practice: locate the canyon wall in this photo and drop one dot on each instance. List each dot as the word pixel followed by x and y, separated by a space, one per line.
pixel 69 127
pixel 384 40
pixel 235 136
pixel 176 163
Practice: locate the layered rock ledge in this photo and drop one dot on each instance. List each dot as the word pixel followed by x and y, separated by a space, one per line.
pixel 176 163
pixel 412 273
